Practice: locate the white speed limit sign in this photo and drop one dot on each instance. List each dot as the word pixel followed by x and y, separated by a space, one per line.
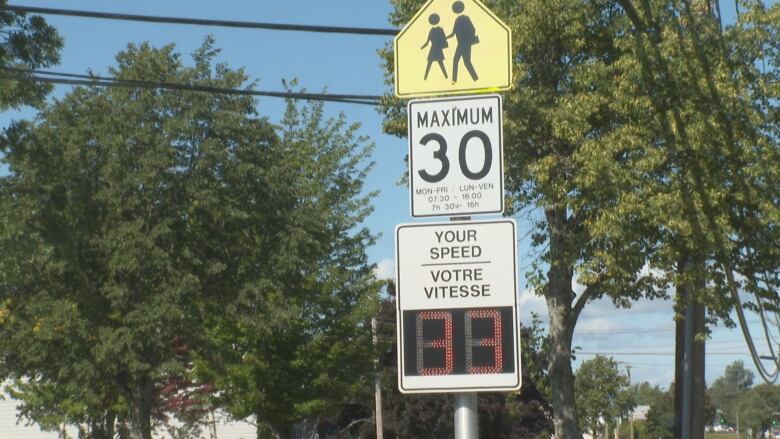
pixel 456 156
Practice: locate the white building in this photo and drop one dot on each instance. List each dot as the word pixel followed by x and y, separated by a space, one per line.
pixel 640 412
pixel 11 429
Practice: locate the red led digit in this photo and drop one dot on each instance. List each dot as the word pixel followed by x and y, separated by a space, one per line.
pixel 438 343
pixel 494 342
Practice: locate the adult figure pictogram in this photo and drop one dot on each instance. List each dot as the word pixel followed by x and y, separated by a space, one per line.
pixel 438 41
pixel 466 35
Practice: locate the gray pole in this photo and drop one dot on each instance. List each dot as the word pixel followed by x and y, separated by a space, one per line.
pixel 687 396
pixel 377 385
pixel 466 419
pixel 631 415
pixel 466 415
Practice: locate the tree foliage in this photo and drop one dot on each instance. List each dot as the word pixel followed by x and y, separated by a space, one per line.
pixel 729 388
pixel 557 120
pixel 645 393
pixel 25 43
pixel 758 409
pixel 710 127
pixel 139 226
pixel 293 337
pixel 603 394
pixel 638 137
pixel 661 416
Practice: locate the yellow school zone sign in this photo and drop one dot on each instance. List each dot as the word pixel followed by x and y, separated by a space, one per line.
pixel 453 47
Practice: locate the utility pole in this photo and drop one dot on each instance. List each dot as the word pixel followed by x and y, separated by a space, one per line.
pixel 689 386
pixel 377 384
pixel 630 416
pixel 212 425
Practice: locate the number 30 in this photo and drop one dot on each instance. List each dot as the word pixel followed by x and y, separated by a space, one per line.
pixel 441 155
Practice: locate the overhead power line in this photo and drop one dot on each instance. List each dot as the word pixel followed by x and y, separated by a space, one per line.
pixel 102 81
pixel 720 344
pixel 204 22
pixel 620 331
pixel 655 353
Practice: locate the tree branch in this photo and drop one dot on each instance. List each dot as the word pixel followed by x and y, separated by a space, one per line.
pixel 353 423
pixel 633 15
pixel 591 291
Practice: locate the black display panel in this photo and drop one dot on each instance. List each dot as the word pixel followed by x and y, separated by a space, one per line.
pixel 458 341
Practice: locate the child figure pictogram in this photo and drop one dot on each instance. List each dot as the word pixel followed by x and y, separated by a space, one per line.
pixel 438 42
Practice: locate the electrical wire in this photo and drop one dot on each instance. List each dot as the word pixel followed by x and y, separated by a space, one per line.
pixel 728 344
pixel 767 333
pixel 119 84
pixel 776 315
pixel 766 375
pixel 621 331
pixel 654 354
pixel 204 22
pixel 102 81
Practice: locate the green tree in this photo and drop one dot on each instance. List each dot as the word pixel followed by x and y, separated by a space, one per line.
pixel 757 408
pixel 136 221
pixel 661 416
pixel 729 388
pixel 711 124
pixel 637 139
pixel 102 282
pixel 293 340
pixel 563 122
pixel 603 394
pixel 645 393
pixel 25 43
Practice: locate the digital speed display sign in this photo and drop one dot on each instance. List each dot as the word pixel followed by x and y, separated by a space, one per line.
pixel 457 302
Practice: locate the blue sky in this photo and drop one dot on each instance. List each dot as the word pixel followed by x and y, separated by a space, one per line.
pixel 349 64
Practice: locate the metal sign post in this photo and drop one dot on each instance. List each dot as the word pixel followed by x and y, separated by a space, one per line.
pixel 466 407
pixel 456 282
pixel 466 416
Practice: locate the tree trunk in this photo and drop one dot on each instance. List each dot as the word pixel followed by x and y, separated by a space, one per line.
pixel 102 428
pixel 699 385
pixel 265 431
pixel 141 411
pixel 562 377
pixel 679 359
pixel 559 296
pixel 692 414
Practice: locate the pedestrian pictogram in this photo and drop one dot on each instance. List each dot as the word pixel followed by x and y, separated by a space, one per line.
pixel 452 47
